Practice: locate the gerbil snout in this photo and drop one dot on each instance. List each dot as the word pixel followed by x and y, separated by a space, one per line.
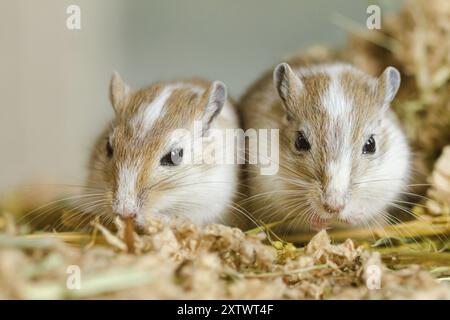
pixel 129 215
pixel 126 209
pixel 332 208
pixel 333 202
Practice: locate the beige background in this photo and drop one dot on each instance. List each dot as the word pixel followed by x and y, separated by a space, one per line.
pixel 53 82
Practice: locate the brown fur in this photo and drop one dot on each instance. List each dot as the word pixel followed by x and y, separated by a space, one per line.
pixel 130 146
pixel 261 107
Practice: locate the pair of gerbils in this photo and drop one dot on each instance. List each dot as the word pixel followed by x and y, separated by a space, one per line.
pixel 321 145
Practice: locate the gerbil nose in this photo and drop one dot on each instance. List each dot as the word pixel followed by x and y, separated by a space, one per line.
pixel 334 201
pixel 129 215
pixel 333 208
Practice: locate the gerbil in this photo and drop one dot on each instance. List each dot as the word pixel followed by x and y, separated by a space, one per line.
pixel 142 164
pixel 342 154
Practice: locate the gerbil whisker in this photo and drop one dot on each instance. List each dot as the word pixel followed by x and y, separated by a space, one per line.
pixel 264 194
pixel 402 192
pixel 368 226
pixel 54 206
pixel 86 209
pixel 396 201
pixel 393 221
pixel 377 180
pixel 409 212
pixel 290 224
pixel 82 210
pixel 246 214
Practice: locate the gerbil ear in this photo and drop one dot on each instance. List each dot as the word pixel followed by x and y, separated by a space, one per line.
pixel 288 85
pixel 216 97
pixel 390 83
pixel 118 92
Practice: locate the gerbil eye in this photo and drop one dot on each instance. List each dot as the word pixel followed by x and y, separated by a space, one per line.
pixel 369 146
pixel 302 143
pixel 109 149
pixel 173 158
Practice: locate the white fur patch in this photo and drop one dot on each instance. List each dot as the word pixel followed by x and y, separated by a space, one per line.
pixel 339 171
pixel 126 196
pixel 335 101
pixel 155 109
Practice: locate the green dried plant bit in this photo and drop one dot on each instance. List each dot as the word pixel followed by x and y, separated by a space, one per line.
pixel 441 271
pixel 277 245
pixel 24 243
pixel 392 241
pixel 267 226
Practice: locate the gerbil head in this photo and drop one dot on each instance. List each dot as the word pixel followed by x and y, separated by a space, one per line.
pixel 142 162
pixel 339 140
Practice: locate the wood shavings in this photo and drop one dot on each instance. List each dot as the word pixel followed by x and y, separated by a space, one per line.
pixel 129 235
pixel 113 240
pixel 179 260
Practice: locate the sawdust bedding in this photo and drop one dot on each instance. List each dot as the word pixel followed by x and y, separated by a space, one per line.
pixel 180 260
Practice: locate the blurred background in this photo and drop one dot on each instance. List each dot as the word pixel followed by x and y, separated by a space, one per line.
pixel 54 80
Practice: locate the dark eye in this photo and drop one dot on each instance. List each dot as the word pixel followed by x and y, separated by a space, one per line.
pixel 301 143
pixel 109 150
pixel 369 146
pixel 173 158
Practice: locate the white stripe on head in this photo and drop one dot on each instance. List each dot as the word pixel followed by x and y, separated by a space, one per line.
pixel 335 101
pixel 155 109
